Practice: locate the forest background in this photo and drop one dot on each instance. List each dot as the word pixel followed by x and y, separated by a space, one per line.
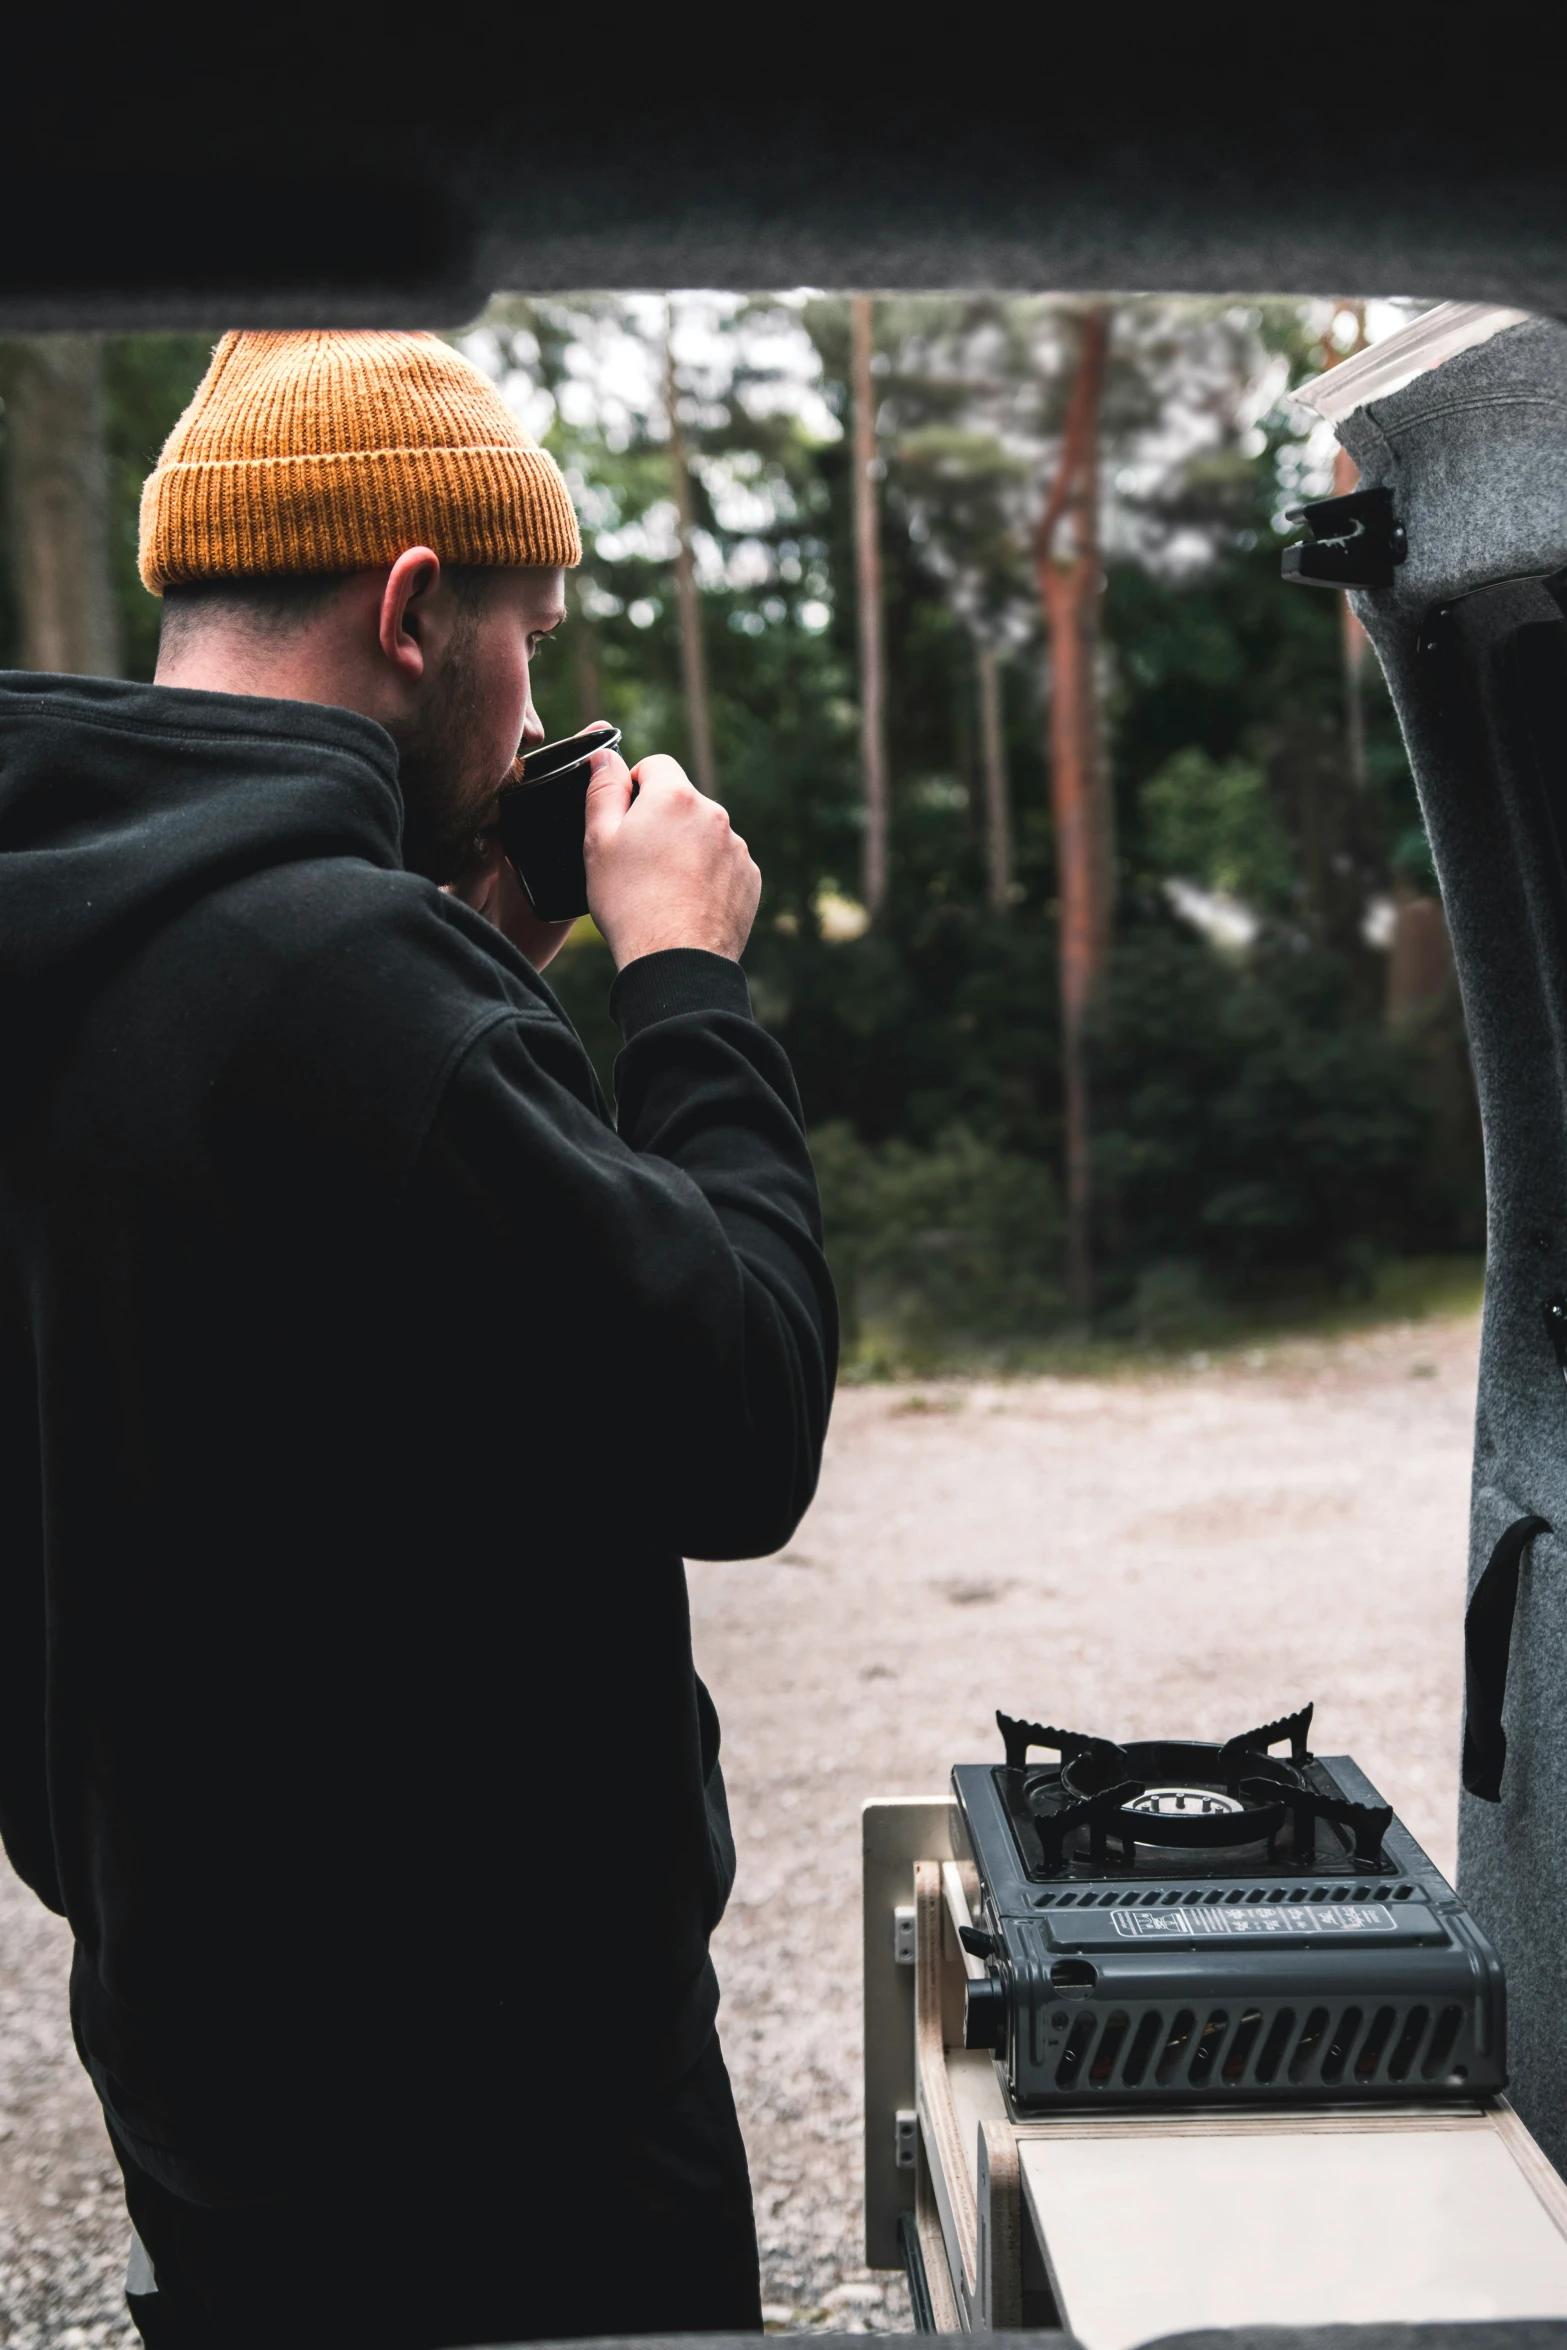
pixel 1280 1112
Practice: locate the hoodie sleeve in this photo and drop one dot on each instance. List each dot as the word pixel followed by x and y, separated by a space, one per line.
pixel 674 1267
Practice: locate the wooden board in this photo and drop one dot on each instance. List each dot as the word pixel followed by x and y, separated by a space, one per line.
pixel 1149 2232
pixel 895 1832
pixel 1152 2222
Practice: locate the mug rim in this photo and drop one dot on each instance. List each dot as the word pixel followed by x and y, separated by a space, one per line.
pixel 605 738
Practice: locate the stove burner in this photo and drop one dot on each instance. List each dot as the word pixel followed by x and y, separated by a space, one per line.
pixel 1184 1799
pixel 1164 1922
pixel 1217 1803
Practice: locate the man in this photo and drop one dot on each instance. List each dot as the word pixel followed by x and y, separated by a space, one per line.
pixel 362 1386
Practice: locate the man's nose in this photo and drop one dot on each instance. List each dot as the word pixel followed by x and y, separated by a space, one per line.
pixel 532 726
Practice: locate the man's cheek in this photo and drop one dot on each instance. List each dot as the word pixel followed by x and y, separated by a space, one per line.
pixel 506 707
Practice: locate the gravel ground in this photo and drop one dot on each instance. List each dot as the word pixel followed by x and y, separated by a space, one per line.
pixel 1189 1551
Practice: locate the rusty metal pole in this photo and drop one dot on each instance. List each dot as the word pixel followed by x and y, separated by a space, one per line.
pixel 867 552
pixel 1070 585
pixel 693 659
pixel 998 812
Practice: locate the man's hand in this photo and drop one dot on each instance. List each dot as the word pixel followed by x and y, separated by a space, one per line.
pixel 664 870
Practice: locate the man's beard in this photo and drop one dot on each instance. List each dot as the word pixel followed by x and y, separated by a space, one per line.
pixel 444 801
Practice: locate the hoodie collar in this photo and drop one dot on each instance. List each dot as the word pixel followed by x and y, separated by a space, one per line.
pixel 123 805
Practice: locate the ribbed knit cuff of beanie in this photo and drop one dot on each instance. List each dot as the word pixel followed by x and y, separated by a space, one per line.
pixel 324 452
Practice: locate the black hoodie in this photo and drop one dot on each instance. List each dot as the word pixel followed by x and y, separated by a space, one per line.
pixel 361 1388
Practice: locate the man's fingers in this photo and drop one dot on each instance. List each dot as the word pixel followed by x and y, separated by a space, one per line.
pixel 670 872
pixel 609 792
pixel 660 775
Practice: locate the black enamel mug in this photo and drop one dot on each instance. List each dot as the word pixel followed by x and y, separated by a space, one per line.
pixel 543 816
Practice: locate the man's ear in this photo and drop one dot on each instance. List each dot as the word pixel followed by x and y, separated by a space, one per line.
pixel 410 584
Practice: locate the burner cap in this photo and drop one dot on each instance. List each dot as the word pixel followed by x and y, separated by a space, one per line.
pixel 1175 1800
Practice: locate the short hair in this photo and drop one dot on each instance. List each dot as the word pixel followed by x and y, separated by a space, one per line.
pixel 277 605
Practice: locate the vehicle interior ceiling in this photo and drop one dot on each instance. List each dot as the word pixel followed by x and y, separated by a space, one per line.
pixel 201 177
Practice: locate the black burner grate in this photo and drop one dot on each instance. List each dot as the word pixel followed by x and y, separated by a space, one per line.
pixel 1181 1805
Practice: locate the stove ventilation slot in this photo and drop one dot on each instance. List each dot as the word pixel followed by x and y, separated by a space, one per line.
pixel 1375 2041
pixel 1280 2032
pixel 1208 2047
pixel 1306 2046
pixel 1109 2046
pixel 1196 2049
pixel 1442 2040
pixel 1340 2045
pixel 1409 2040
pixel 1188 1896
pixel 1144 2041
pixel 1175 2046
pixel 1240 2048
pixel 1079 2041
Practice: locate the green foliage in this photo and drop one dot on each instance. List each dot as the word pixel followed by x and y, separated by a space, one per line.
pixel 946 1016
pixel 957 1240
pixel 147 382
pixel 1234 664
pixel 1212 821
pixel 1251 1121
pixel 1256 1126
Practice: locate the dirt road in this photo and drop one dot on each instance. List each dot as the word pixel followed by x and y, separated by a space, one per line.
pixel 1188 1552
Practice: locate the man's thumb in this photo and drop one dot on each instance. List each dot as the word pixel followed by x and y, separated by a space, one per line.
pixel 610 793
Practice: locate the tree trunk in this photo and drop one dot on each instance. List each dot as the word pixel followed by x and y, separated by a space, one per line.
pixel 867 550
pixel 59 505
pixel 692 656
pixel 1420 958
pixel 998 812
pixel 1070 585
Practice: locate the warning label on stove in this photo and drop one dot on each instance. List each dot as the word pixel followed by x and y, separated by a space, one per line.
pixel 1327 1917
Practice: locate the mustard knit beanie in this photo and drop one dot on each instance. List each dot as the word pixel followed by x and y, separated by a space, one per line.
pixel 333 452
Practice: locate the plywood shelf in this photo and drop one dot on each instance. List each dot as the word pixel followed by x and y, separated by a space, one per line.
pixel 1124 2225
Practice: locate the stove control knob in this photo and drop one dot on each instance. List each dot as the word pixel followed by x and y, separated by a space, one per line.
pixel 985 2012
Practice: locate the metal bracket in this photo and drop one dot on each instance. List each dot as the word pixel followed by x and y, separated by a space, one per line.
pixel 905 2138
pixel 1356 541
pixel 1020 1736
pixel 903 1933
pixel 1295 1727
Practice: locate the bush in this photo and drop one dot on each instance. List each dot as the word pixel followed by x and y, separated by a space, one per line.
pixel 1258 1135
pixel 1251 1120
pixel 944 1017
pixel 960 1240
pixel 1213 822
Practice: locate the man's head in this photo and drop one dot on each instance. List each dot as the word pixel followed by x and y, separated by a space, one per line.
pixel 359 519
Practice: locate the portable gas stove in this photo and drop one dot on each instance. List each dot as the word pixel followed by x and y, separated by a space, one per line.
pixel 1133 1985
pixel 1167 1923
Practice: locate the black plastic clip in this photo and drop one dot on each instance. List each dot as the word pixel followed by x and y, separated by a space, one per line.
pixel 1355 542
